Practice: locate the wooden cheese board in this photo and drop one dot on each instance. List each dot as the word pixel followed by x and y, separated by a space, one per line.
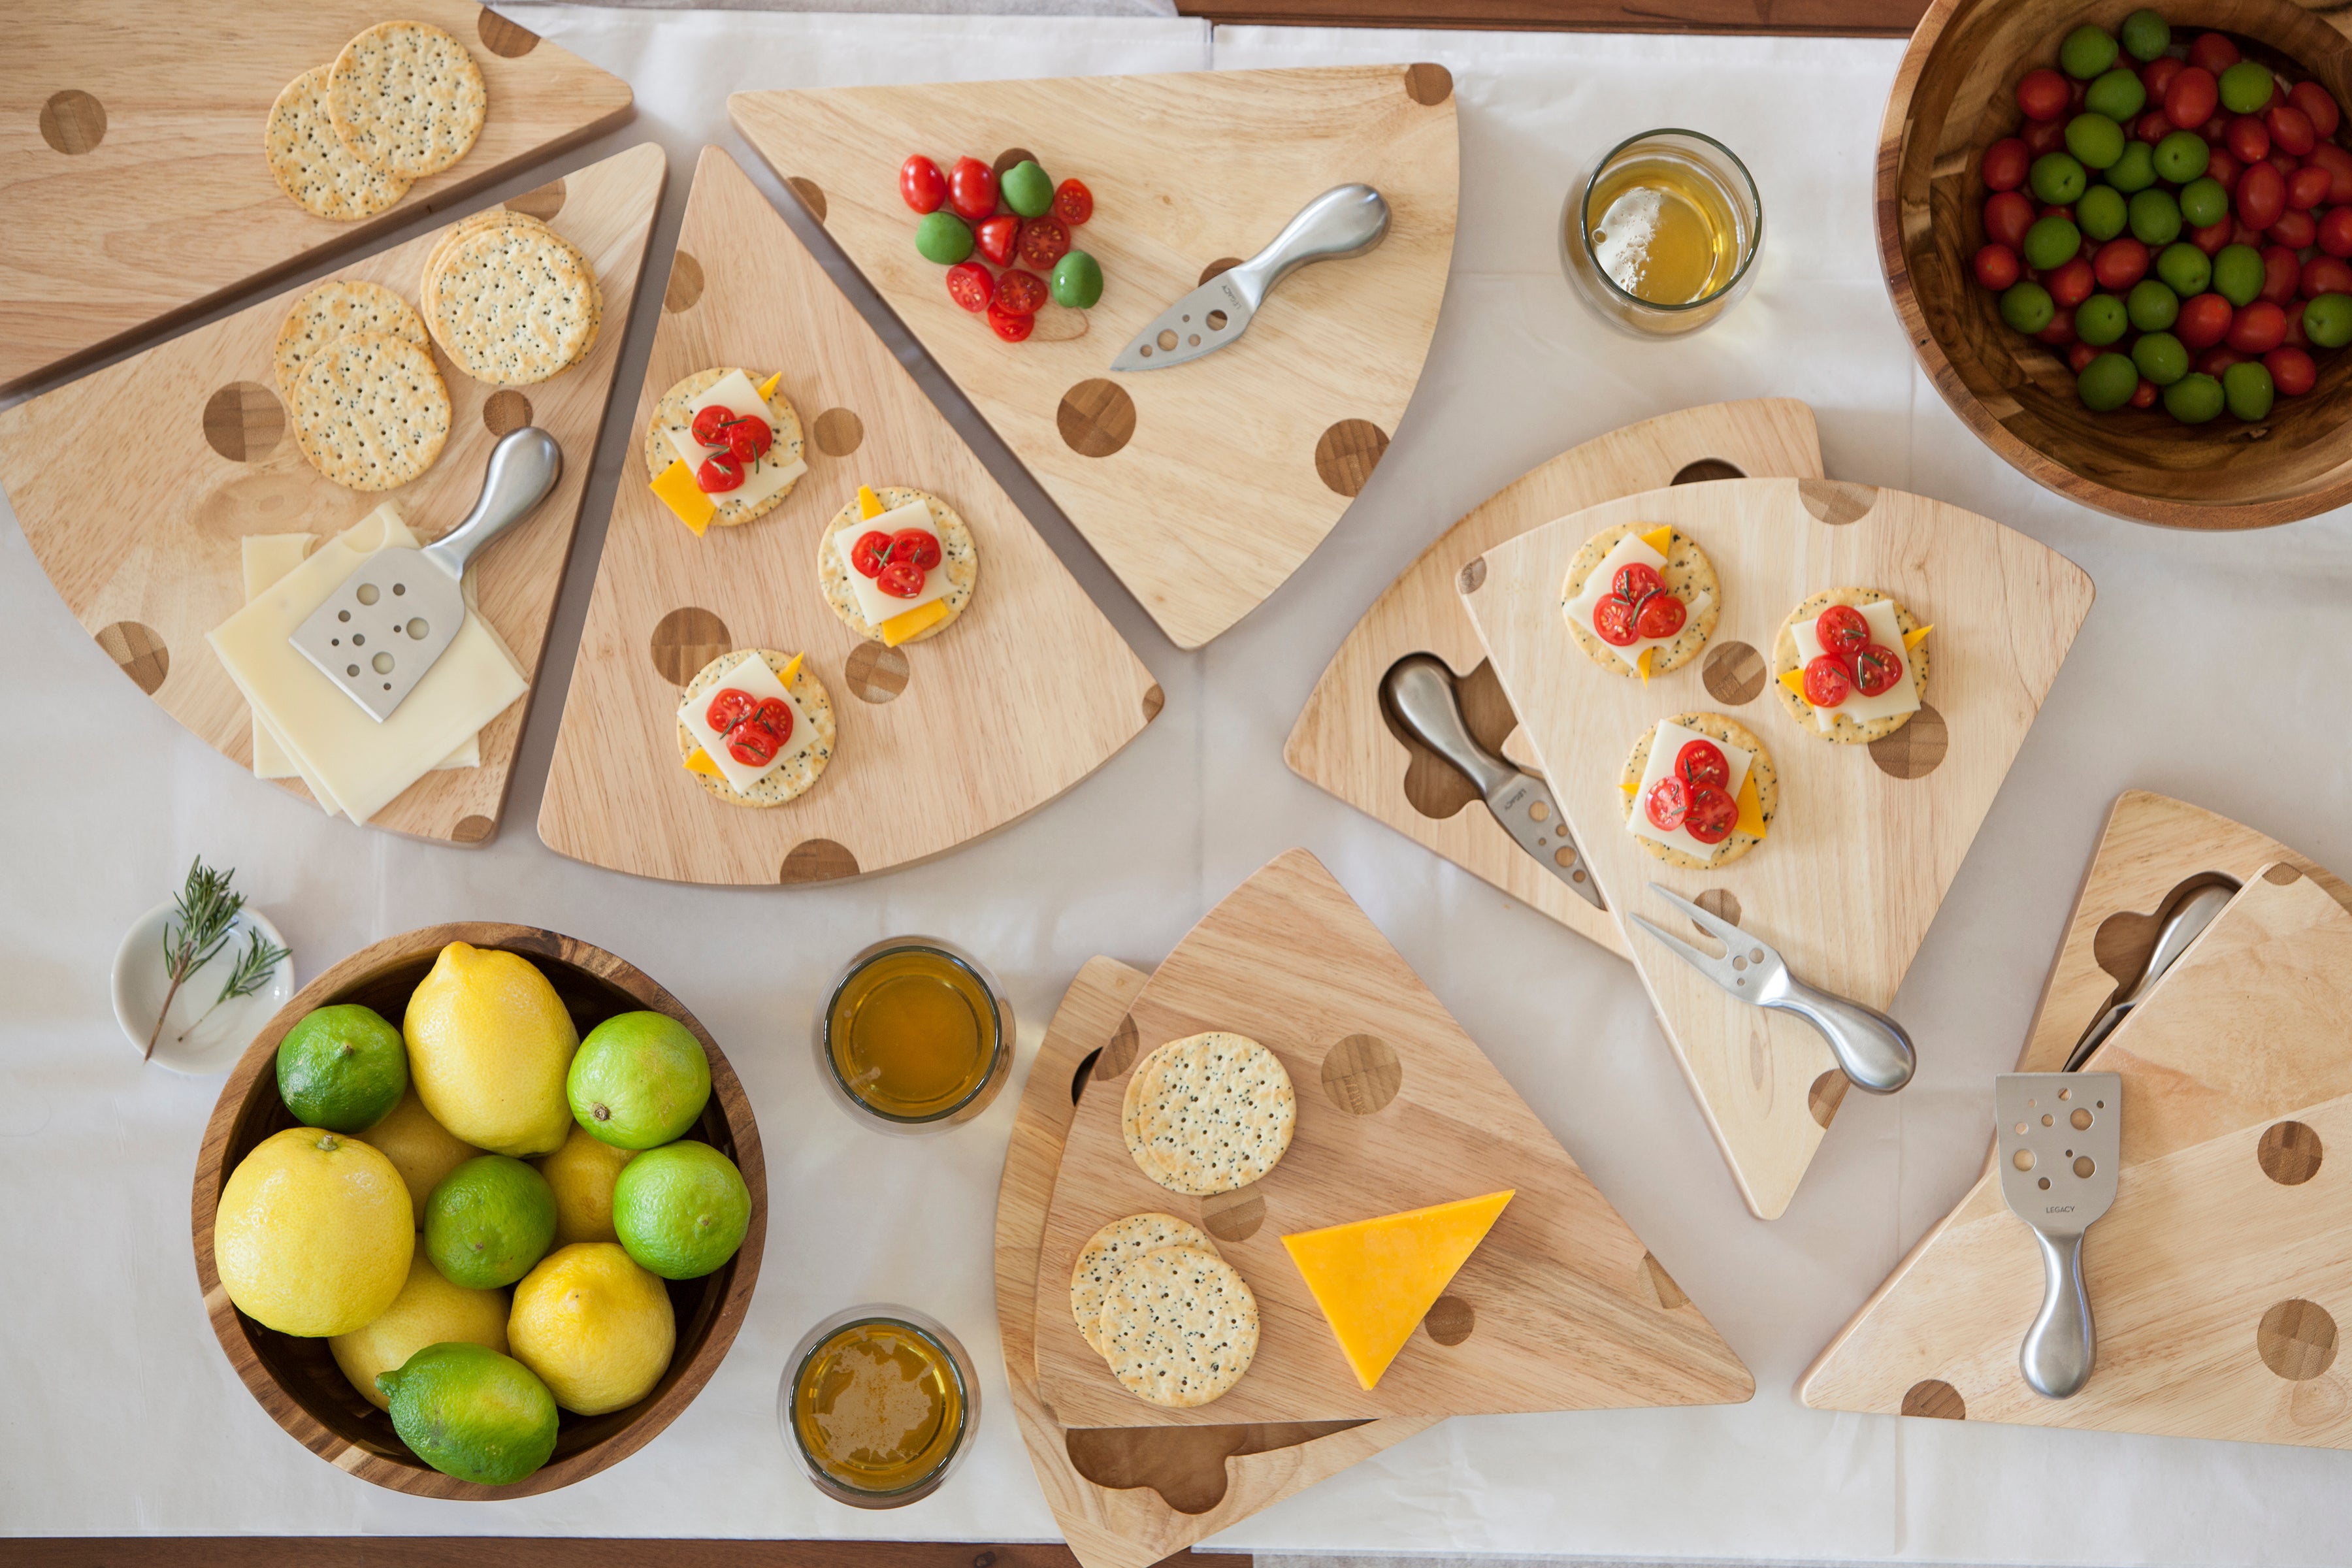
pixel 939 741
pixel 1345 740
pixel 1128 1497
pixel 1202 486
pixel 146 555
pixel 1561 1308
pixel 133 191
pixel 1867 838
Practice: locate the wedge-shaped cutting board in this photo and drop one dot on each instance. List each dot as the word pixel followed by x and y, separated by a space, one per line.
pixel 1867 837
pixel 1561 1309
pixel 1202 486
pixel 1126 1498
pixel 2220 1278
pixel 1343 740
pixel 145 550
pixel 134 192
pixel 939 741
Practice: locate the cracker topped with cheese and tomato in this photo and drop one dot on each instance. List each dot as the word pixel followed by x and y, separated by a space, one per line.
pixel 1848 666
pixel 898 564
pixel 1639 600
pixel 719 449
pixel 755 727
pixel 1700 791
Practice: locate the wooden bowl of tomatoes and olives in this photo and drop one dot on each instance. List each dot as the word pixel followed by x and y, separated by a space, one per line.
pixel 2149 317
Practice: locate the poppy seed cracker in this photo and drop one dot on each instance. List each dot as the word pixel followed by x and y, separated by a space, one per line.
pixel 958 558
pixel 1179 1327
pixel 1107 1253
pixel 371 411
pixel 337 308
pixel 311 163
pixel 1210 1113
pixel 407 97
pixel 513 306
pixel 797 774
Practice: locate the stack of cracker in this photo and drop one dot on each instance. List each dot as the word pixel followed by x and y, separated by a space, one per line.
pixel 367 404
pixel 510 301
pixel 1209 1113
pixel 1176 1323
pixel 403 101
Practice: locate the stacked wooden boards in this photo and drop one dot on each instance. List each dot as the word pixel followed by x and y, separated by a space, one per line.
pixel 1561 1308
pixel 1202 486
pixel 939 741
pixel 146 552
pixel 1867 838
pixel 1345 740
pixel 134 192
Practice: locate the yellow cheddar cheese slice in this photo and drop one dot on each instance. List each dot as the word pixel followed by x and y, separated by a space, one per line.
pixel 785 679
pixel 698 762
pixel 1376 1279
pixel 768 387
pixel 1794 679
pixel 868 503
pixel 1659 538
pixel 1751 809
pixel 1628 788
pixel 1911 638
pixel 1643 664
pixel 922 618
pixel 676 487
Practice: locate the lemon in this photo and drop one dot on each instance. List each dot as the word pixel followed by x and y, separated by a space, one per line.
pixel 427 1311
pixel 313 1234
pixel 595 1326
pixel 640 1080
pixel 582 1173
pixel 489 1045
pixel 420 1149
pixel 470 1412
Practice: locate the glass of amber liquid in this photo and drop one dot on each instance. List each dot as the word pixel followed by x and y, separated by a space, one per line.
pixel 916 1034
pixel 1661 235
pixel 879 1404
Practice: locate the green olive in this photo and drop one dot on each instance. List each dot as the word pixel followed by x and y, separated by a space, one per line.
pixel 1077 280
pixel 2101 214
pixel 2153 308
pixel 2136 170
pixel 2096 140
pixel 2057 179
pixel 2051 242
pixel 943 237
pixel 2100 320
pixel 2118 95
pixel 2154 217
pixel 2107 382
pixel 2145 36
pixel 2238 274
pixel 2184 268
pixel 1025 189
pixel 2193 399
pixel 2087 52
pixel 2327 320
pixel 2247 87
pixel 2162 358
pixel 2204 202
pixel 2027 306
pixel 2247 388
pixel 2182 156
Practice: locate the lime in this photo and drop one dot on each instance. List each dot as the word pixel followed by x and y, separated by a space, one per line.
pixel 488 1221
pixel 640 1080
pixel 2027 306
pixel 2145 36
pixel 2162 358
pixel 2193 399
pixel 2119 94
pixel 471 1412
pixel 2101 319
pixel 2247 87
pixel 2246 387
pixel 342 1068
pixel 2107 382
pixel 2087 52
pixel 2154 217
pixel 2134 171
pixel 681 1210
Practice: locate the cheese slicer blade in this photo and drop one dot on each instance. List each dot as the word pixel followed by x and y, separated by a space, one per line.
pixel 2061 1142
pixel 377 635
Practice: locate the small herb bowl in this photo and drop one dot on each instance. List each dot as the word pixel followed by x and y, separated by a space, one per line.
pixel 141 982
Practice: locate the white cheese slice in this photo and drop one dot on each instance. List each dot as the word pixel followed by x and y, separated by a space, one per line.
pixel 1665 744
pixel 873 603
pixel 735 393
pixel 1626 551
pixel 1903 696
pixel 749 674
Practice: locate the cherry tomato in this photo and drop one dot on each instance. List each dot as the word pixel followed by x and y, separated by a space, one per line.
pixel 900 579
pixel 2325 275
pixel 1073 203
pixel 2079 357
pixel 970 285
pixel 2044 94
pixel 2248 139
pixel 1013 328
pixel 1044 241
pixel 2005 163
pixel 2294 337
pixel 2159 74
pixel 2285 163
pixel 2212 238
pixel 1635 580
pixel 921 182
pixel 2307 188
pixel 2076 91
pixel 2261 195
pixel 2007 215
pixel 2327 156
pixel 2291 129
pixel 1018 293
pixel 1669 804
pixel 2146 394
pixel 1613 621
pixel 2222 167
pixel 720 473
pixel 1711 815
pixel 753 744
pixel 2042 136
pixel 2153 127
pixel 2192 97
pixel 708 422
pixel 916 545
pixel 2258 329
pixel 777 715
pixel 2204 321
pixel 2317 107
pixel 2118 264
pixel 2071 283
pixel 870 553
pixel 1659 617
pixel 2213 362
pixel 2060 332
pixel 729 707
pixel 2296 229
pixel 1840 629
pixel 972 189
pixel 995 237
pixel 2336 231
pixel 1997 266
pixel 1876 668
pixel 2240 235
pixel 2281 274
pixel 2291 371
pixel 1703 762
pixel 2213 52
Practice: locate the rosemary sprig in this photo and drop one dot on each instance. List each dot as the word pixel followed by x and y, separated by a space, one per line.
pixel 202 913
pixel 254 967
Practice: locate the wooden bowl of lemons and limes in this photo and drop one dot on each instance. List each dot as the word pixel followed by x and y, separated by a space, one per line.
pixel 514 1193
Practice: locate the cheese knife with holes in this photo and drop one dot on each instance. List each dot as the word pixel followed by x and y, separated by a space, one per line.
pixel 2061 1137
pixel 377 635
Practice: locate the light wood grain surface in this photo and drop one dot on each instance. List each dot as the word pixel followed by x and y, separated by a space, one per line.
pixel 147 555
pixel 1202 486
pixel 1344 741
pixel 1867 838
pixel 134 192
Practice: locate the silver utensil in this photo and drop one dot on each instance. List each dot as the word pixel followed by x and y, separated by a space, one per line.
pixel 1345 221
pixel 2183 926
pixel 1419 691
pixel 377 635
pixel 2061 1136
pixel 1872 1048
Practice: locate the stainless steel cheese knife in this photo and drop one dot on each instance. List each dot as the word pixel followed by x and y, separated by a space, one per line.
pixel 2061 1141
pixel 2183 926
pixel 377 635
pixel 1345 221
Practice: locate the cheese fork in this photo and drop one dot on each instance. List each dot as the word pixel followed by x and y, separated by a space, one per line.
pixel 1872 1048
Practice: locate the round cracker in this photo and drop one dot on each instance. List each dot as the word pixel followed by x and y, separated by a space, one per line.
pixel 958 558
pixel 407 97
pixel 1687 574
pixel 1179 1327
pixel 1715 727
pixel 671 411
pixel 474 223
pixel 311 163
pixel 370 411
pixel 1209 1113
pixel 1107 1253
pixel 1844 731
pixel 337 308
pixel 514 305
pixel 800 773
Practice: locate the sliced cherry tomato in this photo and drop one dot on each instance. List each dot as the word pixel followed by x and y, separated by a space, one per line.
pixel 2213 52
pixel 1703 762
pixel 2007 215
pixel 2192 97
pixel 2291 371
pixel 870 553
pixel 1997 268
pixel 1660 617
pixel 1840 629
pixel 729 707
pixel 1073 203
pixel 1044 241
pixel 972 189
pixel 753 744
pixel 1876 668
pixel 1010 327
pixel 1018 293
pixel 2044 94
pixel 2005 164
pixel 1712 813
pixel 2317 107
pixel 777 715
pixel 1668 805
pixel 1613 621
pixel 1827 684
pixel 921 182
pixel 901 580
pixel 970 285
pixel 2307 188
pixel 709 422
pixel 2291 129
pixel 2204 321
pixel 720 473
pixel 748 440
pixel 996 237
pixel 916 545
pixel 1635 580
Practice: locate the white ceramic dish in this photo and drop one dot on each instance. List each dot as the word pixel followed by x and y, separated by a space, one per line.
pixel 185 1046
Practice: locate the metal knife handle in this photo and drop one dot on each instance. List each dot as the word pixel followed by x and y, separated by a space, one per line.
pixel 1872 1048
pixel 1345 221
pixel 1421 691
pixel 2060 1347
pixel 523 467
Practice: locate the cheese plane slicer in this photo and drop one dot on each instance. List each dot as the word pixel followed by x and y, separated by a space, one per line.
pixel 2061 1141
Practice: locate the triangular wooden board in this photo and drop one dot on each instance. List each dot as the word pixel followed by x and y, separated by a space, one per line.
pixel 147 555
pixel 1116 1493
pixel 939 741
pixel 1867 838
pixel 2220 1276
pixel 1202 487
pixel 1343 740
pixel 1561 1309
pixel 134 192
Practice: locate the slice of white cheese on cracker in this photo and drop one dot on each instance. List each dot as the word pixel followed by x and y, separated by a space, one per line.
pixel 752 675
pixel 1633 549
pixel 1665 744
pixel 735 393
pixel 873 603
pixel 1901 697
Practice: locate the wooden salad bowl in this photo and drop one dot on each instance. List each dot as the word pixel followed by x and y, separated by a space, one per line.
pixel 1954 96
pixel 297 1380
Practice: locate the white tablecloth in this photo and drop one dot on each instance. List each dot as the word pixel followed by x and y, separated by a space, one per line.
pixel 2211 668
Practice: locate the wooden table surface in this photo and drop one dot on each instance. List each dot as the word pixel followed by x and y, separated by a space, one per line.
pixel 1864 18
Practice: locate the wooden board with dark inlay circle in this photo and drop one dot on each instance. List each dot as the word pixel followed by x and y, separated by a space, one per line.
pixel 147 555
pixel 1202 486
pixel 938 741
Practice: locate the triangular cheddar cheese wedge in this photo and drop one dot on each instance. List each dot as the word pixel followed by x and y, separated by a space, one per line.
pixel 1376 1279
